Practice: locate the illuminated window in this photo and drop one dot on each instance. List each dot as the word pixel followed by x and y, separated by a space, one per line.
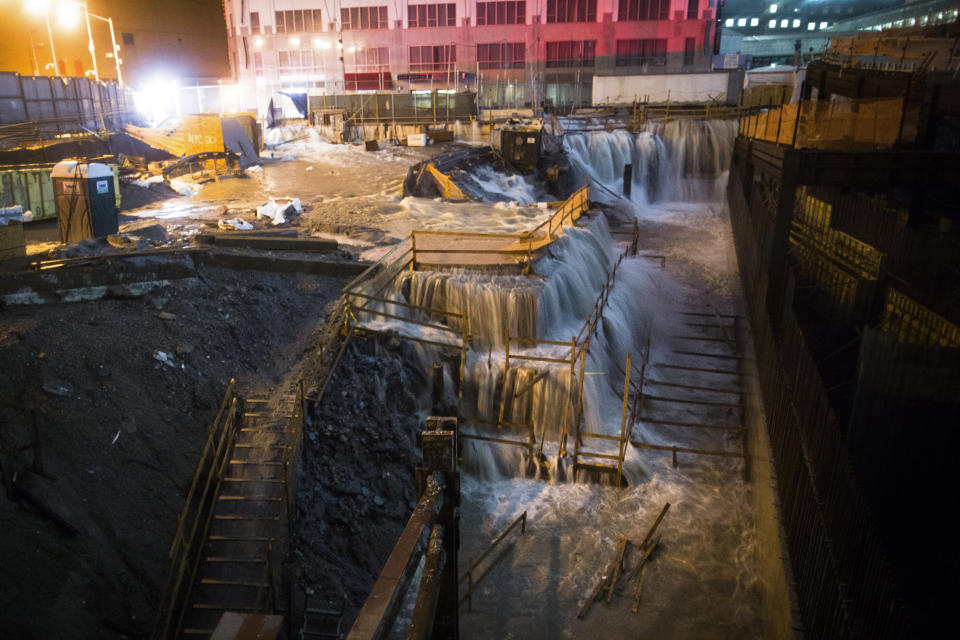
pixel 742 22
pixel 643 10
pixel 371 59
pixel 811 26
pixel 571 10
pixel 501 55
pixel 796 23
pixel 501 13
pixel 640 52
pixel 429 58
pixel 692 6
pixel 773 8
pixel 754 22
pixel 255 23
pixel 576 53
pixel 363 18
pixel 729 22
pixel 784 23
pixel 431 15
pixel 823 25
pixel 298 21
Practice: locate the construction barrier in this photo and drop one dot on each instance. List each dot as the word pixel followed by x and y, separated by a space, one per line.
pixel 841 125
pixel 914 323
pixel 476 249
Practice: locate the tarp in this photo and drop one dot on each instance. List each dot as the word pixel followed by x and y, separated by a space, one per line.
pixel 202 133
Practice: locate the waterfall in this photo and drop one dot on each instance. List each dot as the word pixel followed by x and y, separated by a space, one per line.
pixel 534 401
pixel 677 161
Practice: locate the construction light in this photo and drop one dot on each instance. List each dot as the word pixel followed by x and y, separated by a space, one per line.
pixel 317 43
pixel 352 50
pixel 68 15
pixel 324 44
pixel 258 42
pixel 36 7
pixel 294 41
pixel 157 99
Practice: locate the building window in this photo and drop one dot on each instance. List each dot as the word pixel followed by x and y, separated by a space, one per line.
pixel 371 59
pixel 501 12
pixel 640 52
pixel 689 51
pixel 363 18
pixel 571 10
pixel 127 38
pixel 693 7
pixel 576 53
pixel 296 62
pixel 296 21
pixel 258 63
pixel 431 15
pixel 506 55
pixel 440 58
pixel 643 10
pixel 254 22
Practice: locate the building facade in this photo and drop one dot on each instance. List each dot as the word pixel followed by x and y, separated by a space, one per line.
pixel 513 53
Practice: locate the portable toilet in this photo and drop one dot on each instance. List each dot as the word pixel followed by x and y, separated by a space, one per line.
pixel 86 200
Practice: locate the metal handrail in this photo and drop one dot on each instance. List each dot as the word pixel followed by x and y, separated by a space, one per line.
pixel 471 564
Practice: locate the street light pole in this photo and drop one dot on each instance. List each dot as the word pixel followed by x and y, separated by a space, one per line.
pixel 53 49
pixel 93 51
pixel 116 50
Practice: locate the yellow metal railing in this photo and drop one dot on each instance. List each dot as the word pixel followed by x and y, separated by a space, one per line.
pixel 833 125
pixel 914 323
pixel 502 248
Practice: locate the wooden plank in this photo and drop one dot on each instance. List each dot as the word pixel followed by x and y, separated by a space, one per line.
pixel 604 578
pixel 708 403
pixel 673 423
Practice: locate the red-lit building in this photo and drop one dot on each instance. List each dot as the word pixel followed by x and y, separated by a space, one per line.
pixel 512 52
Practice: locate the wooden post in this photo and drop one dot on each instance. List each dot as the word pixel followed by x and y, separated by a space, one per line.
pixel 506 372
pixel 674 456
pixel 470 585
pixel 623 421
pixel 796 123
pixel 413 251
pixel 576 441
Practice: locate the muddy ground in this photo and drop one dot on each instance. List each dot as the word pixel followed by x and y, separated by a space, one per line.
pixel 122 390
pixel 356 486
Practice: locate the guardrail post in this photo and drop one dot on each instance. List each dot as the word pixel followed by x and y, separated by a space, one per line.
pixel 470 585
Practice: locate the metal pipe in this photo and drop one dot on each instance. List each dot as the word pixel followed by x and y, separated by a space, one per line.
pixel 90 46
pixel 53 49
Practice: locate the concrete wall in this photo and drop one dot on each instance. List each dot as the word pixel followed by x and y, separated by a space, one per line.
pixel 688 87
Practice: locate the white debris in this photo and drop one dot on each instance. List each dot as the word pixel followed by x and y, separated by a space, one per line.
pixel 164 357
pixel 254 169
pixel 14 213
pixel 236 223
pixel 276 209
pixel 185 188
pixel 310 168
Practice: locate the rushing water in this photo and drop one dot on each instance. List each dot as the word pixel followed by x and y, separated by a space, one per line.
pixel 677 161
pixel 704 579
